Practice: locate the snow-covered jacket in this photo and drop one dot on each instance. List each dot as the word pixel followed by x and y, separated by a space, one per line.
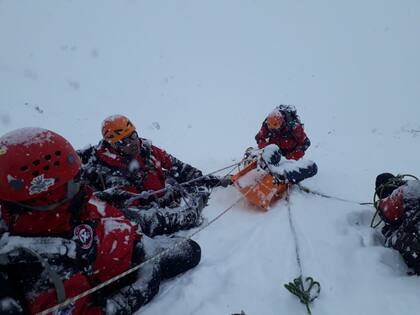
pixel 401 204
pixel 290 138
pixel 401 214
pixel 104 241
pixel 104 168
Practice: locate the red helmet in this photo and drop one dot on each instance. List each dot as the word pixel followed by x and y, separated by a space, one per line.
pixel 34 161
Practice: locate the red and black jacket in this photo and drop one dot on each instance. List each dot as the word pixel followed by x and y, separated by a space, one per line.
pixel 401 204
pixel 105 168
pixel 105 240
pixel 290 138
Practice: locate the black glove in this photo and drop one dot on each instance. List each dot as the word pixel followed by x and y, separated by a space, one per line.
pixel 226 181
pixel 279 179
pixel 114 195
pixel 211 181
pixel 275 158
pixel 9 304
pixel 183 172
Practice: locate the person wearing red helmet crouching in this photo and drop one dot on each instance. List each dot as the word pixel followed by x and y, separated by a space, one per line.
pixel 398 206
pixel 58 240
pixel 283 128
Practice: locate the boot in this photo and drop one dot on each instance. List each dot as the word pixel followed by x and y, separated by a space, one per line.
pixel 183 257
pixel 174 254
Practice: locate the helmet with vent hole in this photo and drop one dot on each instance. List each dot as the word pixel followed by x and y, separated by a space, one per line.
pixel 34 161
pixel 116 128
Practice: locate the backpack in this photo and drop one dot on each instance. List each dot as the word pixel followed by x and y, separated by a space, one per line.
pixel 289 113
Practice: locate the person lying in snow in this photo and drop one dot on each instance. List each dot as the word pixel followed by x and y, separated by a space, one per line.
pixel 124 165
pixel 283 128
pixel 58 240
pixel 399 208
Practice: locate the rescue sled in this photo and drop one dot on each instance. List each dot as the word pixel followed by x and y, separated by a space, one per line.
pixel 258 186
pixel 263 179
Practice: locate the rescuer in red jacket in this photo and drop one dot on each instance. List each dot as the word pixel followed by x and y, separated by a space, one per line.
pixel 123 165
pixel 283 128
pixel 58 240
pixel 399 208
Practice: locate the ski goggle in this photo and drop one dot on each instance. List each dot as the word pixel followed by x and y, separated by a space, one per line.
pixel 127 140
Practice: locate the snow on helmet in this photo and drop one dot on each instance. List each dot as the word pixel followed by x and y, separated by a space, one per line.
pixel 34 161
pixel 116 128
pixel 274 120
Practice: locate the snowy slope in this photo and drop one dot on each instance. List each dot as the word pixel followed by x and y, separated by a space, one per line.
pixel 197 77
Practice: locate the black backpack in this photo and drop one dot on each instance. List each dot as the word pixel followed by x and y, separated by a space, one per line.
pixel 289 113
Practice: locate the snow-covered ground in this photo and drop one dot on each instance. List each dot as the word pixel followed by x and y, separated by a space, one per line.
pixel 198 77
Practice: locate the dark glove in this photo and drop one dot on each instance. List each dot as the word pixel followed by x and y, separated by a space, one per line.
pixel 183 172
pixel 189 173
pixel 275 158
pixel 279 179
pixel 114 195
pixel 226 181
pixel 9 304
pixel 211 181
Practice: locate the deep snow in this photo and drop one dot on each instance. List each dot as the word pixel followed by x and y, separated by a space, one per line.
pixel 198 77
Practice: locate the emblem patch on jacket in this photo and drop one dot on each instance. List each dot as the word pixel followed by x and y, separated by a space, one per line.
pixel 84 234
pixel 40 184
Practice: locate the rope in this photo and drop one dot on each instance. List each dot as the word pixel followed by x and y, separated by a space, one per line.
pixel 292 228
pixel 135 268
pixel 313 192
pixel 305 295
pixel 147 194
pixel 297 287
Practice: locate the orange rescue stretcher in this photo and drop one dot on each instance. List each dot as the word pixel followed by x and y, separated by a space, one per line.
pixel 258 186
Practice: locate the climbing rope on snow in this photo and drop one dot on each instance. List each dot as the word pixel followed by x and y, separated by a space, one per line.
pixel 313 192
pixel 391 183
pixel 305 295
pixel 312 290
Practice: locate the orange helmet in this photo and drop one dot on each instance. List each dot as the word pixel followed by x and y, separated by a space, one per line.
pixel 116 128
pixel 274 120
